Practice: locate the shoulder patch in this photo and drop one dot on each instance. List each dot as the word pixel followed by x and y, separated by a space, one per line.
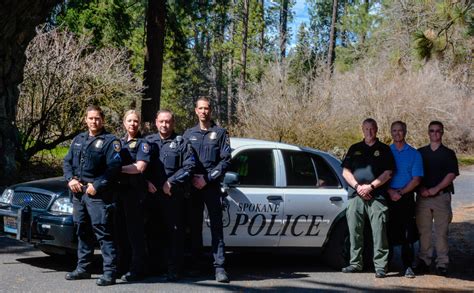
pixel 117 146
pixel 145 148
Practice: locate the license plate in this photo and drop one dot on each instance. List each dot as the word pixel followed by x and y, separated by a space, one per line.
pixel 10 225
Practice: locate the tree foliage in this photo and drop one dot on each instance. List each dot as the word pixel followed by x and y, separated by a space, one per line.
pixel 63 75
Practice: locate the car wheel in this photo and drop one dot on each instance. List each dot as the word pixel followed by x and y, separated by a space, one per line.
pixel 337 250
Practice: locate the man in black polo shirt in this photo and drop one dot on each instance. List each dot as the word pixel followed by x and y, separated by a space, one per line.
pixel 367 168
pixel 433 204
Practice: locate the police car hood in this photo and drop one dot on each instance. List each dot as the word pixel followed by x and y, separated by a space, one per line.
pixel 56 185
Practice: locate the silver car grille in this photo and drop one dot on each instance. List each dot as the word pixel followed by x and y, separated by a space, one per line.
pixel 32 199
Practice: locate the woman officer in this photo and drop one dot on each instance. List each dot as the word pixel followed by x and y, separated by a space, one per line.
pixel 135 155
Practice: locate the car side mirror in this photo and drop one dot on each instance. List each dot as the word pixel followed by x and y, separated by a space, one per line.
pixel 230 179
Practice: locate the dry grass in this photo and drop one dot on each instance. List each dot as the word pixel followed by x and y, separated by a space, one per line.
pixel 327 114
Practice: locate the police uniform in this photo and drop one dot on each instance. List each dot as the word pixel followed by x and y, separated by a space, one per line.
pixel 95 160
pixel 130 199
pixel 214 154
pixel 367 163
pixel 172 161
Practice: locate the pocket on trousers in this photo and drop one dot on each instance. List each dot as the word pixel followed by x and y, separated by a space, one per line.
pixel 108 214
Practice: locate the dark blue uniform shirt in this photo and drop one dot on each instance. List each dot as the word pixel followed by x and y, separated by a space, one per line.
pixel 171 160
pixel 93 159
pixel 212 147
pixel 136 149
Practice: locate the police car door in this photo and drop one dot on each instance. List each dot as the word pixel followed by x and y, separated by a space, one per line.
pixel 255 207
pixel 313 199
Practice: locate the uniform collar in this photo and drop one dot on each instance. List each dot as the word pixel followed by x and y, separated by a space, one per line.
pixel 370 146
pixel 212 126
pixel 126 141
pixel 101 134
pixel 169 138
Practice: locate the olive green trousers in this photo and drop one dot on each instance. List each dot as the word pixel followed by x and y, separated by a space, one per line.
pixel 377 212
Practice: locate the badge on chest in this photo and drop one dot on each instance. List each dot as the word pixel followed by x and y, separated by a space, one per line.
pixel 213 135
pixel 98 144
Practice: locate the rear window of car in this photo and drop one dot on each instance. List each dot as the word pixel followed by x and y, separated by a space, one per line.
pixel 255 167
pixel 308 170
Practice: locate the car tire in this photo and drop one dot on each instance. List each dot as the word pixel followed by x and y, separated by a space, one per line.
pixel 337 250
pixel 336 253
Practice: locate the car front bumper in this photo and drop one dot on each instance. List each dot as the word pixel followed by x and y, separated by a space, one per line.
pixel 41 229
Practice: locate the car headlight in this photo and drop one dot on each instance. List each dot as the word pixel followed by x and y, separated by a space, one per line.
pixel 7 196
pixel 62 205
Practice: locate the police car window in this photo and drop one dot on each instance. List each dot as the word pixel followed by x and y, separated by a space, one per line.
pixel 326 175
pixel 255 167
pixel 300 169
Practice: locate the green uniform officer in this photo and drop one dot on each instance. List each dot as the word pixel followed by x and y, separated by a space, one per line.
pixel 367 168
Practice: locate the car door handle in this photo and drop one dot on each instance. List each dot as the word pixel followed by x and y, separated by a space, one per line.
pixel 274 197
pixel 335 198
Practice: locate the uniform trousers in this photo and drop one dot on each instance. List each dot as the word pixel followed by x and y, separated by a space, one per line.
pixel 171 213
pixel 377 211
pixel 93 216
pixel 211 196
pixel 130 228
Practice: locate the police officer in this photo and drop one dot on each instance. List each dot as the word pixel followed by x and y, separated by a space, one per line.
pixel 367 168
pixel 90 167
pixel 135 156
pixel 211 144
pixel 171 169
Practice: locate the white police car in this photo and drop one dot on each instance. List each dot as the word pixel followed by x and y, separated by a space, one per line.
pixel 278 196
pixel 284 196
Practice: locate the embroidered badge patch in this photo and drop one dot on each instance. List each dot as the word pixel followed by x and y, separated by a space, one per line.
pixel 145 148
pixel 117 146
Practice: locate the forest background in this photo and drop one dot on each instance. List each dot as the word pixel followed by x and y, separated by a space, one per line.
pixel 407 60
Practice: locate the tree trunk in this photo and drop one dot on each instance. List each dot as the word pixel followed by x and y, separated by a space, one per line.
pixel 18 20
pixel 366 4
pixel 332 39
pixel 155 45
pixel 283 28
pixel 262 32
pixel 230 71
pixel 243 54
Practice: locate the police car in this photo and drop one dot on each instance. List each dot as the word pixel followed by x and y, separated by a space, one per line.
pixel 278 196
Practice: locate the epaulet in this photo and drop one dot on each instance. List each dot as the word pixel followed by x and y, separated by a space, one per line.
pixel 110 136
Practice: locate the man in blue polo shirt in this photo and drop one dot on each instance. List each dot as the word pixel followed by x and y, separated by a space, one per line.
pixel 401 206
